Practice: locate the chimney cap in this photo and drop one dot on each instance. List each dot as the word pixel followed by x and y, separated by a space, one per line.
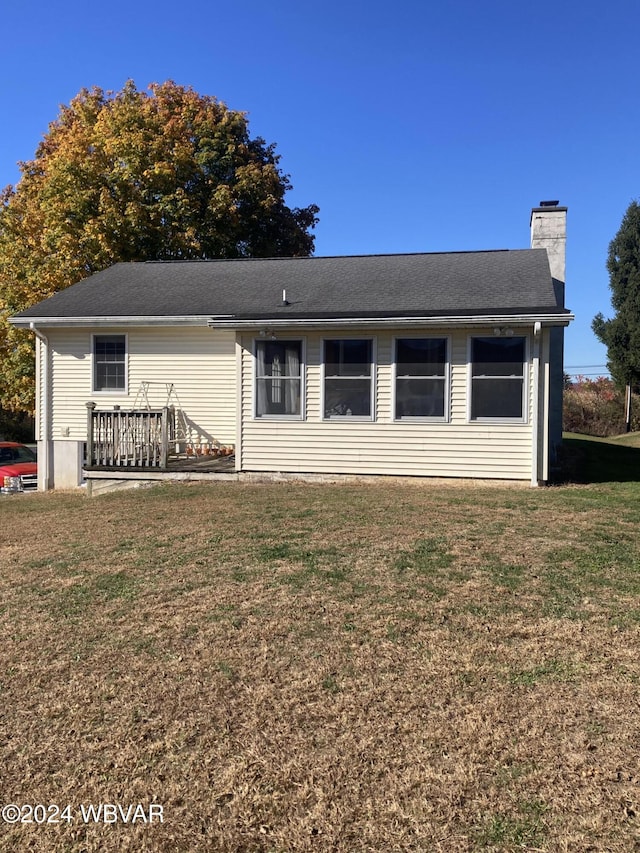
pixel 546 207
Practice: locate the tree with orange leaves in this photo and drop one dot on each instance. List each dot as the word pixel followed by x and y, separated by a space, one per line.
pixel 168 174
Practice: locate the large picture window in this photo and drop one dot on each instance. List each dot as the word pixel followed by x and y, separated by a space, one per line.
pixel 498 378
pixel 348 378
pixel 278 379
pixel 109 363
pixel 421 371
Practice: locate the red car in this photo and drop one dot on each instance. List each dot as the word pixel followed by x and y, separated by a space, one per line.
pixel 18 468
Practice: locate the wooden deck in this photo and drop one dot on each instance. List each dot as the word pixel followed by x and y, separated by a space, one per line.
pixel 175 465
pixel 148 444
pixel 101 479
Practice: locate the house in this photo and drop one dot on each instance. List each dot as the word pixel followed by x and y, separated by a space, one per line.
pixel 440 364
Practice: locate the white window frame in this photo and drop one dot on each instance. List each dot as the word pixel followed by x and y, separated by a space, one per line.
pixel 446 417
pixel 372 378
pixel 501 419
pixel 303 383
pixel 110 391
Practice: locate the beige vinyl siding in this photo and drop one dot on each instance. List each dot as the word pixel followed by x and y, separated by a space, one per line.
pixel 457 448
pixel 199 362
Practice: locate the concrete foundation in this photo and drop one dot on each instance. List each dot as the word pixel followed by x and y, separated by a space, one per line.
pixel 67 464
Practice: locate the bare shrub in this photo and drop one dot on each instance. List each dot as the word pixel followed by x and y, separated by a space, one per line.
pixel 596 407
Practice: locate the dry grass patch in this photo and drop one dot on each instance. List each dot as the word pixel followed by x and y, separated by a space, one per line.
pixel 362 667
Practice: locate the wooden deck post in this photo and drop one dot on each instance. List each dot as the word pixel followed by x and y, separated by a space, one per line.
pixel 90 408
pixel 164 447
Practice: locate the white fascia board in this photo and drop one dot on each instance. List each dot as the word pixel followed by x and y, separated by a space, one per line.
pixel 229 322
pixel 97 322
pixel 398 322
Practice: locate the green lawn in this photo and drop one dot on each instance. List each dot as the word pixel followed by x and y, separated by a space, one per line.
pixel 390 665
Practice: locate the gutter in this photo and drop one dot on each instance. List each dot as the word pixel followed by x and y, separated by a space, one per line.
pixel 111 320
pixel 224 322
pixel 43 419
pixel 229 321
pixel 537 331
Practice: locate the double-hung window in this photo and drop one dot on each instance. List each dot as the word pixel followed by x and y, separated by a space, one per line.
pixel 110 363
pixel 498 378
pixel 279 369
pixel 420 378
pixel 348 378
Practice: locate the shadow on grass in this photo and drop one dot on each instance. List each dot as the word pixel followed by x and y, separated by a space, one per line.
pixel 586 459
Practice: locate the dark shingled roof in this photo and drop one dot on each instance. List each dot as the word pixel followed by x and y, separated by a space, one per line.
pixel 413 285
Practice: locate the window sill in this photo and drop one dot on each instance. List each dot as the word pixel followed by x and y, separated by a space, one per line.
pixel 421 419
pixel 363 419
pixel 507 421
pixel 286 418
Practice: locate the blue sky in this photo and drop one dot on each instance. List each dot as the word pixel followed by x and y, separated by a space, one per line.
pixel 415 126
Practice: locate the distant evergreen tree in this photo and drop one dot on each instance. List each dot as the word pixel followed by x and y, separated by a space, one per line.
pixel 621 334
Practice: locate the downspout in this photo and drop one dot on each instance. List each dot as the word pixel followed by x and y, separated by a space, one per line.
pixel 535 420
pixel 239 395
pixel 43 420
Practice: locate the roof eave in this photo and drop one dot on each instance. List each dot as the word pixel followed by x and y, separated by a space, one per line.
pixel 230 322
pixel 173 320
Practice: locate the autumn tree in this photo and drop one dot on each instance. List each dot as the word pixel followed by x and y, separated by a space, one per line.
pixel 621 334
pixel 132 176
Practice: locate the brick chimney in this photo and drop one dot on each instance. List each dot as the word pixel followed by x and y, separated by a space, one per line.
pixel 549 231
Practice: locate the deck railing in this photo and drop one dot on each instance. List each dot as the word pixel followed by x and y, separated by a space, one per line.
pixel 120 438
